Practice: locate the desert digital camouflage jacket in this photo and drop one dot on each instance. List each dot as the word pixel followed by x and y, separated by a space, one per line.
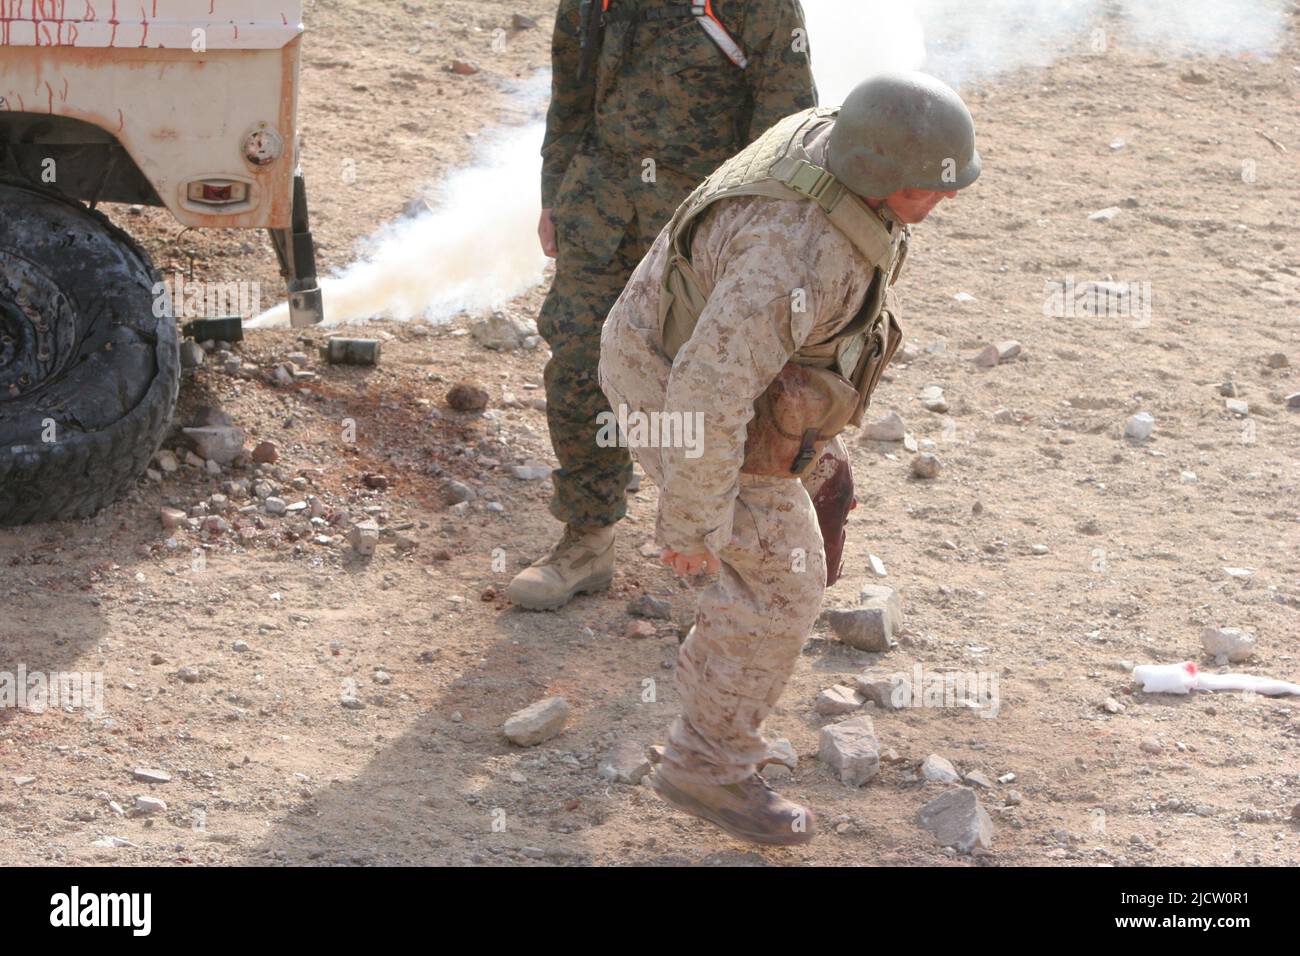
pixel 777 276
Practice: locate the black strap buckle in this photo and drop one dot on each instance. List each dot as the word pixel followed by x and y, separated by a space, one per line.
pixel 807 451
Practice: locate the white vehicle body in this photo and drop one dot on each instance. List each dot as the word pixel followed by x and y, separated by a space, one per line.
pixel 190 104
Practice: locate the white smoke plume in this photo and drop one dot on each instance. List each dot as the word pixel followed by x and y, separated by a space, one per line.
pixel 474 250
pixel 477 247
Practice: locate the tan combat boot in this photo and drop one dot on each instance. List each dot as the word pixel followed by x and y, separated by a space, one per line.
pixel 749 810
pixel 582 562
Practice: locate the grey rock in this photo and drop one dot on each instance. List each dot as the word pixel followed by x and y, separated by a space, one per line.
pixel 531 472
pixel 148 806
pixel 938 770
pixel 651 607
pixel 364 537
pixel 192 354
pixel 997 353
pixel 926 466
pixel 851 748
pixel 838 700
pixel 626 763
pixel 958 820
pixel 1140 426
pixel 219 443
pixel 145 775
pixel 537 722
pixel 880 690
pixel 890 428
pixel 1230 642
pixel 977 779
pixel 501 332
pixel 933 400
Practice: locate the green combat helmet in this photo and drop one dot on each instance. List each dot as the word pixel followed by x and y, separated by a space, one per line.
pixel 903 131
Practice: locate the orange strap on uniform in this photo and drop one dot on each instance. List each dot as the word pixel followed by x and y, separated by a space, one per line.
pixel 702 10
pixel 718 33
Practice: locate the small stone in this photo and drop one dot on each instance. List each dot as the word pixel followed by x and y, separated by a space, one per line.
pixel 1293 400
pixel 1237 407
pixel 879 690
pixel 780 752
pixel 650 607
pixel 266 453
pixel 838 700
pixel 531 472
pixel 851 748
pixel 192 354
pixel 171 517
pixel 1105 215
pixel 463 67
pixel 219 443
pixel 167 462
pixel 863 628
pixel 239 647
pixel 521 22
pixel 147 806
pixel 375 481
pixel 958 820
pixel 1149 745
pixel 877 566
pixel 501 331
pixel 933 400
pixel 275 506
pixel 537 722
pixel 639 630
pixel 1004 416
pixel 1278 360
pixel 1040 549
pixel 926 466
pixel 626 763
pixel 1111 706
pixel 382 677
pixel 1231 642
pixel 459 492
pixel 467 398
pixel 890 428
pixel 937 769
pixel 977 779
pixel 1140 426
pixel 144 775
pixel 364 537
pixel 997 353
pixel 349 700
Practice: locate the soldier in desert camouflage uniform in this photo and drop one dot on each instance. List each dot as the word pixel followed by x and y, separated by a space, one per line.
pixel 765 295
pixel 660 107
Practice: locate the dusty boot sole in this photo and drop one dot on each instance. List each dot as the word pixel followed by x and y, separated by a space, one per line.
pixel 687 804
pixel 588 586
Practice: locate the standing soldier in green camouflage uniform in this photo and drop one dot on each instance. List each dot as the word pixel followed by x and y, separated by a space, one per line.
pixel 648 98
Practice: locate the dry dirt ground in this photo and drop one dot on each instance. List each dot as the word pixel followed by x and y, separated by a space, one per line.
pixel 265 763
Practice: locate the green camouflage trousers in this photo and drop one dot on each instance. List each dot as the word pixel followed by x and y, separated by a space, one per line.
pixel 591 482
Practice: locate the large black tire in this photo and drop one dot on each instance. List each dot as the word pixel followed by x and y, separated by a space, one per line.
pixel 89 373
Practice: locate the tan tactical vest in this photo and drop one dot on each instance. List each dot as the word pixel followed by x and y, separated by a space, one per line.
pixel 836 377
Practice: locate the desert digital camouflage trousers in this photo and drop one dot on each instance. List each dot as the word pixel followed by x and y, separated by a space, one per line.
pixel 750 626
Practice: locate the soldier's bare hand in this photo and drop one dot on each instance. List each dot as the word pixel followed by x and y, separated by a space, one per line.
pixel 546 233
pixel 690 565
